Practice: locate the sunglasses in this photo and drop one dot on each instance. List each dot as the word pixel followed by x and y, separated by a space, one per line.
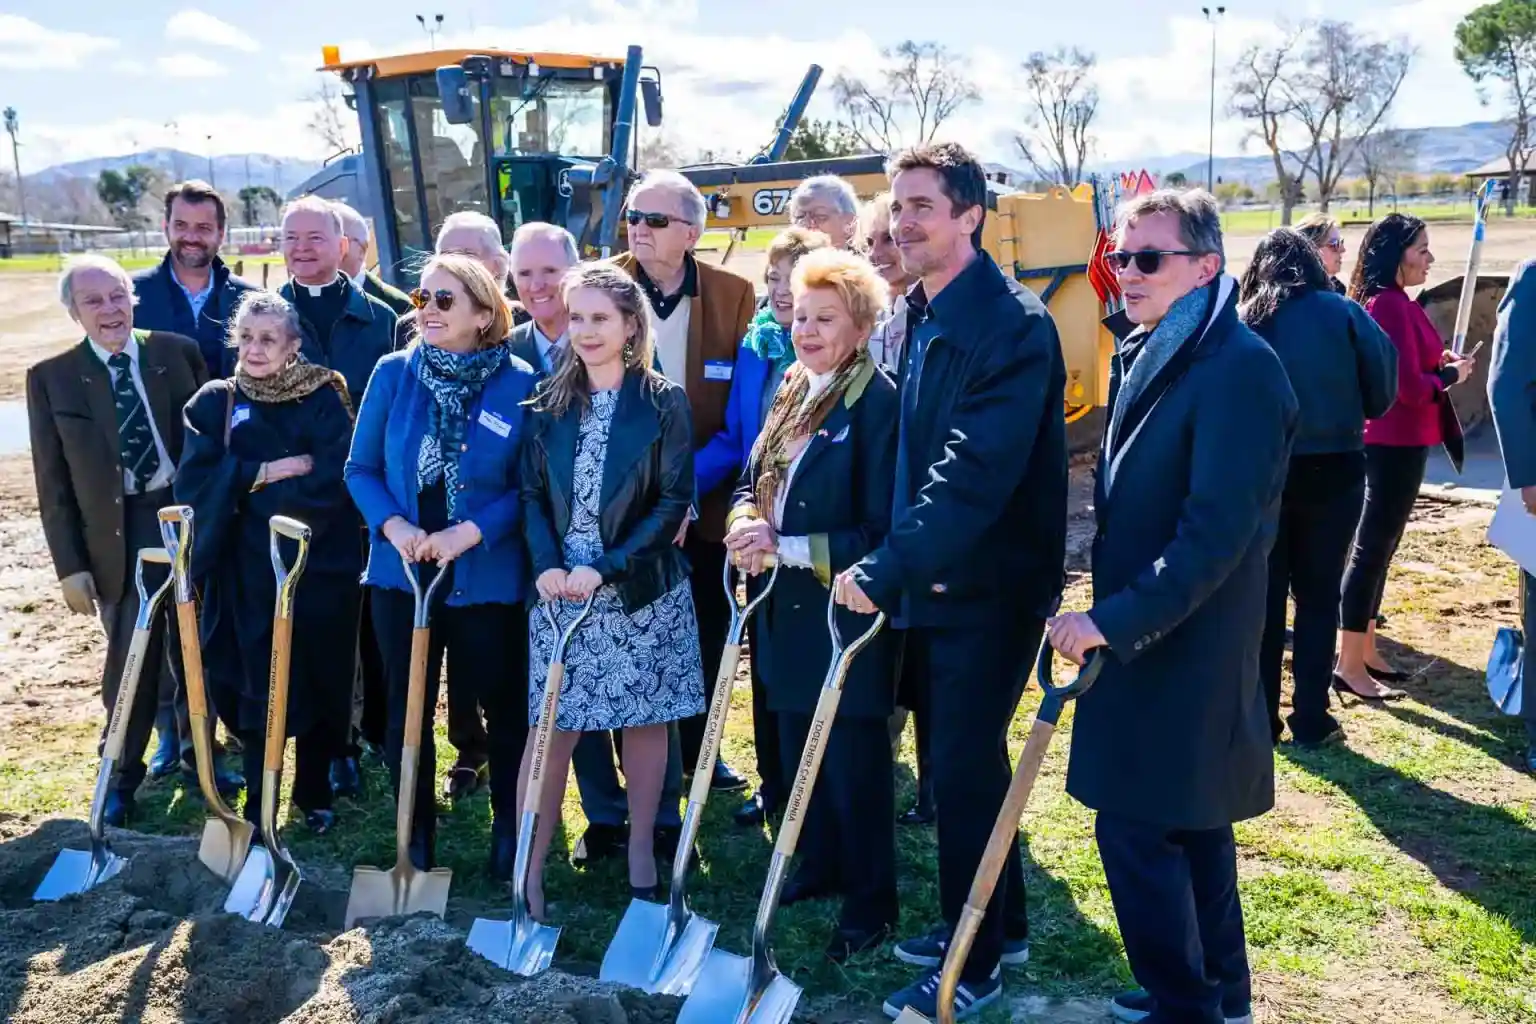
pixel 442 299
pixel 655 221
pixel 1335 243
pixel 1147 260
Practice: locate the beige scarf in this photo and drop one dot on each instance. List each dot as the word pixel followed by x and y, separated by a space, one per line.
pixel 793 418
pixel 299 379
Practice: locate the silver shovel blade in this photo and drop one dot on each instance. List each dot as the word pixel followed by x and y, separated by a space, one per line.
pixel 640 955
pixel 778 1003
pixel 524 950
pixel 288 877
pixel 721 991
pixel 255 888
pixel 76 871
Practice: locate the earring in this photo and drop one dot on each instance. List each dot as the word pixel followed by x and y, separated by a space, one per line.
pixel 629 352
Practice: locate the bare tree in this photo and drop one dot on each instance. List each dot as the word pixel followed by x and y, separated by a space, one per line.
pixel 1380 157
pixel 919 88
pixel 1261 93
pixel 1064 100
pixel 1497 42
pixel 1345 86
pixel 330 121
pixel 658 150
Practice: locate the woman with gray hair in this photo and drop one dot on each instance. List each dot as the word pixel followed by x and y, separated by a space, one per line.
pixel 273 440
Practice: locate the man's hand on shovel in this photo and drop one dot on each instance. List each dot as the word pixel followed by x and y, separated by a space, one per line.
pixel 849 594
pixel 1074 635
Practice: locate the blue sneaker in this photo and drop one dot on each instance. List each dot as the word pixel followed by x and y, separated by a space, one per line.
pixel 923 996
pixel 167 758
pixel 928 950
pixel 1138 1004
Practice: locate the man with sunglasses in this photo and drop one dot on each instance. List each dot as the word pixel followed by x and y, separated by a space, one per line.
pixel 701 315
pixel 1172 745
pixel 974 560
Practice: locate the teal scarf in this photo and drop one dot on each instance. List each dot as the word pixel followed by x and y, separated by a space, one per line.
pixel 771 343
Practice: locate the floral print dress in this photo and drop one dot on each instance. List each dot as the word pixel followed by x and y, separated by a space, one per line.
pixel 621 670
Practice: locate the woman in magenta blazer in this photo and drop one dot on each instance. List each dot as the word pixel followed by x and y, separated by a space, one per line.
pixel 1394 255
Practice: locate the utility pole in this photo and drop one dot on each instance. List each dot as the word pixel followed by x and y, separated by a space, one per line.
pixel 13 125
pixel 431 30
pixel 1210 157
pixel 211 180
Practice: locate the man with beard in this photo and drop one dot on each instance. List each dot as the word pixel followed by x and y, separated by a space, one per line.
pixel 191 293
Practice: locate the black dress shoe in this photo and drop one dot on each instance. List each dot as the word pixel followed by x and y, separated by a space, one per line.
pixel 754 811
pixel 1344 689
pixel 920 813
pixel 347 777
pixel 725 780
pixel 119 808
pixel 601 842
pixel 465 780
pixel 503 849
pixel 167 757
pixel 320 821
pixel 849 942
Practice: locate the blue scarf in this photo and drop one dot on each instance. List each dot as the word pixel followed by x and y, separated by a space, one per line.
pixel 771 343
pixel 454 380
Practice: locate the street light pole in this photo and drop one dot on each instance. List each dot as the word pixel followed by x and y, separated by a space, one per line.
pixel 211 180
pixel 431 30
pixel 1210 156
pixel 13 125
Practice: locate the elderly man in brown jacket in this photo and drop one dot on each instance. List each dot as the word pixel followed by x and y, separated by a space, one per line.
pixel 106 429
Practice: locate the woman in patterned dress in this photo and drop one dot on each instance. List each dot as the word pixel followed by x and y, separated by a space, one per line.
pixel 607 482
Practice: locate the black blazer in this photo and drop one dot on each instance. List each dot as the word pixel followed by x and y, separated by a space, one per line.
pixel 840 498
pixel 647 488
pixel 1175 732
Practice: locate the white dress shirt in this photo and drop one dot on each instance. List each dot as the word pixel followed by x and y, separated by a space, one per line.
pixel 796 551
pixel 549 351
pixel 167 470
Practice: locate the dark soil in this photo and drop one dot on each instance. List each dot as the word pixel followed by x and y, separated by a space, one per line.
pixel 154 945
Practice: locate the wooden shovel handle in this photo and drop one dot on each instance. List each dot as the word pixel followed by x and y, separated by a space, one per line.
pixel 805 775
pixel 714 725
pixel 534 791
pixel 410 753
pixel 127 686
pixel 192 659
pixel 277 699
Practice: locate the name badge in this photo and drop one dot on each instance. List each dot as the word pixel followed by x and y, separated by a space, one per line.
pixel 495 424
pixel 718 370
pixel 240 414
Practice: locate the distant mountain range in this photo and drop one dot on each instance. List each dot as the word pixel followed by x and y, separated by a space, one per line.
pixel 227 173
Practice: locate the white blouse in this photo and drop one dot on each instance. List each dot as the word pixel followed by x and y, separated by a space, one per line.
pixel 796 551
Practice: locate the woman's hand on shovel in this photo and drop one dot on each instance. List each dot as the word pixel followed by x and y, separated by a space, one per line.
pixel 406 537
pixel 446 545
pixel 550 584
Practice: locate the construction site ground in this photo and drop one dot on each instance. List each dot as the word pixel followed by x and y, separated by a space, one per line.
pixel 1392 881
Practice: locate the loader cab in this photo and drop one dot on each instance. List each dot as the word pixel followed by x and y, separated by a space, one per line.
pixel 517 136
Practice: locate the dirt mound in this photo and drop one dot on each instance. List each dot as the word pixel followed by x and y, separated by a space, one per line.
pixel 154 945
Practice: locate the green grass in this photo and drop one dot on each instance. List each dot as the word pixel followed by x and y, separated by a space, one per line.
pixel 1396 867
pixel 53 262
pixel 1252 222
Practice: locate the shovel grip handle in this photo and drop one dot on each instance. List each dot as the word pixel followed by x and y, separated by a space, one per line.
pixel 127 686
pixel 805 775
pixel 551 706
pixel 192 660
pixel 416 693
pixel 277 697
pixel 714 725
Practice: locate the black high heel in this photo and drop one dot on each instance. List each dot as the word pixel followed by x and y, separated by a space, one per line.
pixel 1345 690
pixel 1387 675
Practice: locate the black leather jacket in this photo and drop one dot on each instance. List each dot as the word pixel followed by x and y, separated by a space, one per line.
pixel 647 489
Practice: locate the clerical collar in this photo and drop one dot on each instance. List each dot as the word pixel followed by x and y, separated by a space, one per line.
pixel 315 291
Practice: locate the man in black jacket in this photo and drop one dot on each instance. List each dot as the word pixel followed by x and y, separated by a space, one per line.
pixel 1172 745
pixel 191 293
pixel 354 262
pixel 974 560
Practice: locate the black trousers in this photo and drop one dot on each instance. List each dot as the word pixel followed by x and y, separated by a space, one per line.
pixel 766 740
pixel 466 729
pixel 487 649
pixel 1392 479
pixel 1318 515
pixel 848 840
pixel 712 607
pixel 373 723
pixel 312 756
pixel 1175 898
pixel 1528 669
pixel 912 692
pixel 141 529
pixel 975 676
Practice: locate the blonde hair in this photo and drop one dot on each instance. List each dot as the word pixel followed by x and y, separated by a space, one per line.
pixel 879 205
pixel 1317 227
pixel 795 243
pixel 482 291
pixel 851 276
pixel 569 384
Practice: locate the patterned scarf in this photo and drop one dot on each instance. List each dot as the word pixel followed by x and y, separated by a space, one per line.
pixel 770 342
pixel 454 380
pixel 795 414
pixel 299 379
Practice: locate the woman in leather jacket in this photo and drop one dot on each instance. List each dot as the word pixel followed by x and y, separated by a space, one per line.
pixel 607 482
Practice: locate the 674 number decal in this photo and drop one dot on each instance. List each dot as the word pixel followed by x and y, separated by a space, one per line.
pixel 770 202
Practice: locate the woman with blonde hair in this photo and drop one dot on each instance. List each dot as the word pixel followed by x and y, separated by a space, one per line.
pixel 816 493
pixel 434 472
pixel 878 244
pixel 607 482
pixel 1323 231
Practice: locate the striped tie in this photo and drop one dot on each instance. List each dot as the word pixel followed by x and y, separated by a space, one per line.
pixel 135 442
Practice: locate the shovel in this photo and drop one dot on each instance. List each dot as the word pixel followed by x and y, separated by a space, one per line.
pixel 404 890
pixel 76 871
pixel 523 945
pixel 661 948
pixel 268 881
pixel 226 835
pixel 735 989
pixel 1007 824
pixel 1506 665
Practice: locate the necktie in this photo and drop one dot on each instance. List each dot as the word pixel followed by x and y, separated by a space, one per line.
pixel 135 441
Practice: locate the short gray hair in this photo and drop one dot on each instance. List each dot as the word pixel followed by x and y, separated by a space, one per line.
pixel 542 229
pixel 313 204
pixel 353 223
pixel 264 303
pixel 695 211
pixel 830 187
pixel 1199 217
pixel 90 261
pixel 485 226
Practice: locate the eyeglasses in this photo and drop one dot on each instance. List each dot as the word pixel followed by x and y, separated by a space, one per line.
pixel 442 299
pixel 1147 260
pixel 655 221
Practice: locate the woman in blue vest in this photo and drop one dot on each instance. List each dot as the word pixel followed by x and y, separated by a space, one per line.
pixel 434 472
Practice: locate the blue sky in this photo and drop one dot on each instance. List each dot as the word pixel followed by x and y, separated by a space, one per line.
pixel 94 77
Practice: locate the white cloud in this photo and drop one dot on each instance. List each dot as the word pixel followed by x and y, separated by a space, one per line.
pixel 194 26
pixel 189 65
pixel 276 130
pixel 27 46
